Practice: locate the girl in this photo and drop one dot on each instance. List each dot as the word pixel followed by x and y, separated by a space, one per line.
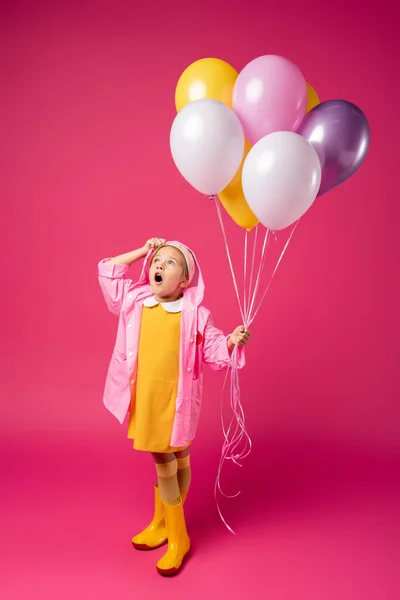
pixel 164 335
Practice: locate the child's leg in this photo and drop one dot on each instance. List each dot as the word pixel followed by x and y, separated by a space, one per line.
pixel 178 539
pixel 167 467
pixel 184 471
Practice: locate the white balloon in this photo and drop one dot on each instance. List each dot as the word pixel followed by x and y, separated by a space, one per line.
pixel 281 178
pixel 207 144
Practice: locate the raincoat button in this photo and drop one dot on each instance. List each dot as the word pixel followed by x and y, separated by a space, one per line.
pixel 130 353
pixel 189 369
pixel 191 340
pixel 129 296
pixel 132 382
pixel 129 324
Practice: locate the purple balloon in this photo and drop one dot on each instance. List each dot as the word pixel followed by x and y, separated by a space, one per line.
pixel 340 134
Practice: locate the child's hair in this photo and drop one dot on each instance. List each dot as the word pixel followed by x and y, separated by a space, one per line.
pixel 185 268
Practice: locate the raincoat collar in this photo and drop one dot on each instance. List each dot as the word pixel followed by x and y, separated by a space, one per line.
pixel 171 307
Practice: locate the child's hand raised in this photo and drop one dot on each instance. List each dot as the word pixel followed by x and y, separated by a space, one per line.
pixel 153 244
pixel 239 337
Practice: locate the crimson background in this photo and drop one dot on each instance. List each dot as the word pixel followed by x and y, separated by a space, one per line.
pixel 87 105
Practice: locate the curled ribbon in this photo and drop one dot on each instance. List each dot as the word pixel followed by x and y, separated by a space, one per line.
pixel 237 442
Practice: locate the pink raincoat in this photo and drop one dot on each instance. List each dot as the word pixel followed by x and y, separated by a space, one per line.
pixel 200 342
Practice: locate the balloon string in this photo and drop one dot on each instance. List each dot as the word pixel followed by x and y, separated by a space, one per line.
pixel 252 263
pixel 217 202
pixel 234 435
pixel 260 270
pixel 252 317
pixel 245 275
pixel 237 443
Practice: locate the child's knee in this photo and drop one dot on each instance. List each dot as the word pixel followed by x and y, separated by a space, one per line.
pixel 183 462
pixel 167 469
pixel 163 457
pixel 183 453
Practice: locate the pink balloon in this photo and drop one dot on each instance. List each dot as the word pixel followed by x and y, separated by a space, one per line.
pixel 269 95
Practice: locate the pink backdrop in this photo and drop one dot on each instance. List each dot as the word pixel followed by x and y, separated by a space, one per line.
pixel 87 104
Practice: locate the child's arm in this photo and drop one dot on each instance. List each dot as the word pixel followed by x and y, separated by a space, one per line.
pixel 128 258
pixel 217 347
pixel 131 257
pixel 112 274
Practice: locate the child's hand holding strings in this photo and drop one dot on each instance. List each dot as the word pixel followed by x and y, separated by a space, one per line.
pixel 239 337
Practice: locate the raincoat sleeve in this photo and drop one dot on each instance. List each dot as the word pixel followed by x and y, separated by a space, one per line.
pixel 215 348
pixel 114 284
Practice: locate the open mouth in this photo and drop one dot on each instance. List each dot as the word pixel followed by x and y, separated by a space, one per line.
pixel 158 278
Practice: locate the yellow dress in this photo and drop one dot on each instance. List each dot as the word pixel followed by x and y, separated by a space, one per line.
pixel 154 397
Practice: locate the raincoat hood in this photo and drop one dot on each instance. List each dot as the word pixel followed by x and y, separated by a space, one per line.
pixel 193 294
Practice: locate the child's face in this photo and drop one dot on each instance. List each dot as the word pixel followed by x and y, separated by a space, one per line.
pixel 167 274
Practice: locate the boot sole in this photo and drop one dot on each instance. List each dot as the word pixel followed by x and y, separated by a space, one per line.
pixel 145 548
pixel 175 570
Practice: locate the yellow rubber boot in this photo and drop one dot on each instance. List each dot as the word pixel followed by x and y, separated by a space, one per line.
pixel 155 534
pixel 178 541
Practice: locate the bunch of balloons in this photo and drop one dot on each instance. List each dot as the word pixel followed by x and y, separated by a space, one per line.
pixel 262 140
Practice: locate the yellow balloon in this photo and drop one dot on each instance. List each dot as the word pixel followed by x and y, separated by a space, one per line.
pixel 206 78
pixel 233 200
pixel 313 99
